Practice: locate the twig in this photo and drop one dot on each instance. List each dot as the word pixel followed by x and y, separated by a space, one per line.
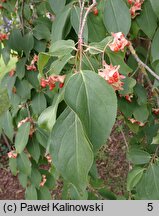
pixel 141 63
pixel 22 17
pixel 27 107
pixel 80 3
pixel 6 141
pixel 81 27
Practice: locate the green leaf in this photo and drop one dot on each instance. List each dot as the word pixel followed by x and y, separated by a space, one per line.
pixel 20 67
pixel 58 27
pixel 137 156
pixel 21 43
pixel 155 6
pixel 118 59
pixel 40 46
pixel 35 177
pixel 28 43
pixel 94 101
pixel 114 16
pixel 6 55
pixel 4 101
pixel 147 20
pixel 34 149
pixel 22 137
pixel 38 103
pixel 57 6
pixel 23 89
pixel 47 118
pixel 44 194
pixel 7 125
pixel 105 193
pixel 70 150
pixel 75 20
pixel 31 193
pixel 141 113
pixel 13 166
pixel 24 164
pixel 43 59
pixel 23 179
pixel 41 32
pixel 57 66
pixel 128 86
pixel 97 47
pixel 96 28
pixel 155 140
pixel 62 47
pixel 155 47
pixel 126 108
pixel 42 136
pixel 16 36
pixel 134 177
pixel 141 94
pixel 148 187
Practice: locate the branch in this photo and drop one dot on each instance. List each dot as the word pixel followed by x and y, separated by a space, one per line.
pixel 80 3
pixel 80 36
pixel 6 141
pixel 82 25
pixel 141 63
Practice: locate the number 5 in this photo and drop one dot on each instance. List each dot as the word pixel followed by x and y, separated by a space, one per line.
pixel 150 206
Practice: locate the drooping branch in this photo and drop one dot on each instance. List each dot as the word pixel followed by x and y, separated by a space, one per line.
pixel 141 63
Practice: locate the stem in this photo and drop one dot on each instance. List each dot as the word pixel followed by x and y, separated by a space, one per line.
pixel 81 27
pixel 141 63
pixel 6 141
pixel 27 107
pixel 22 17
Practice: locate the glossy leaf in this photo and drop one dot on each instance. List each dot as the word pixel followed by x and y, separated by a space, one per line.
pixel 89 96
pixel 70 150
